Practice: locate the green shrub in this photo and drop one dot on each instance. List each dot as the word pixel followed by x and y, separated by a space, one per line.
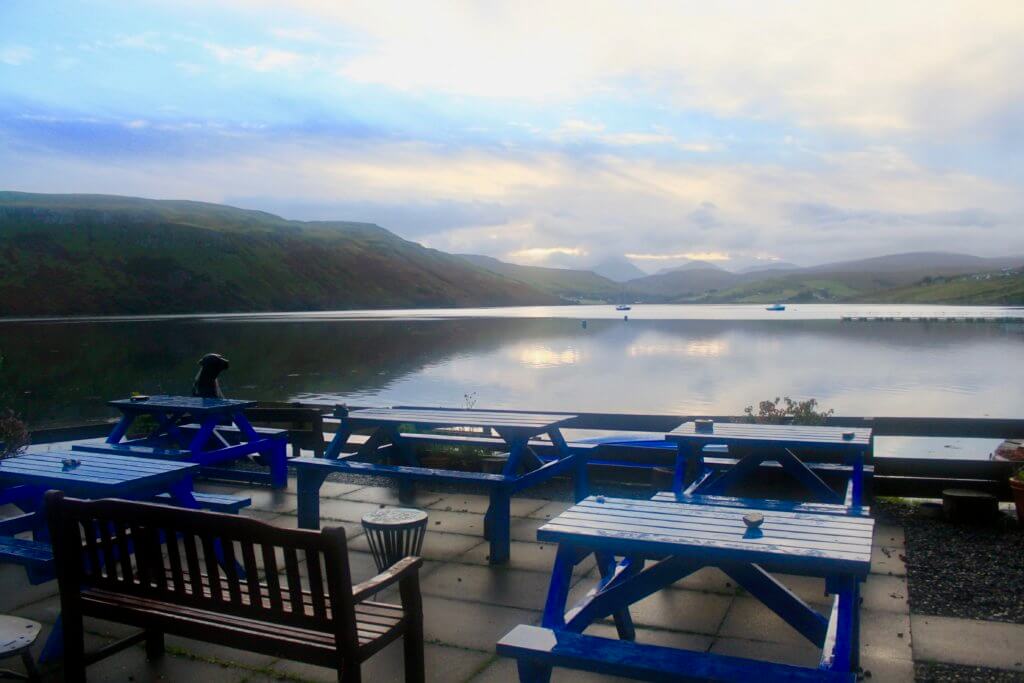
pixel 14 436
pixel 787 411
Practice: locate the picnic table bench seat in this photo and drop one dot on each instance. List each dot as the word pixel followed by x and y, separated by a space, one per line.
pixel 35 556
pixel 537 649
pixel 218 502
pixel 133 449
pixel 448 439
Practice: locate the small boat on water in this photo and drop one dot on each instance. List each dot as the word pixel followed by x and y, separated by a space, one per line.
pixel 775 307
pixel 623 307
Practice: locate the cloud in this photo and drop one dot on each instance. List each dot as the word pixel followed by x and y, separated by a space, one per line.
pixel 15 55
pixel 876 68
pixel 544 253
pixel 257 57
pixel 686 255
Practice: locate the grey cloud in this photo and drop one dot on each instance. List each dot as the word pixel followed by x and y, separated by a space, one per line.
pixel 826 215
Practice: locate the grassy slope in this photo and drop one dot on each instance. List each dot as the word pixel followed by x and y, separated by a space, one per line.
pixel 983 289
pixel 78 254
pixel 563 282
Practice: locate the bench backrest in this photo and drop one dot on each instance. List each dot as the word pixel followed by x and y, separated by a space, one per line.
pixel 210 561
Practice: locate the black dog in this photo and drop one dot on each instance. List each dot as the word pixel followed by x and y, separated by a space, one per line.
pixel 205 384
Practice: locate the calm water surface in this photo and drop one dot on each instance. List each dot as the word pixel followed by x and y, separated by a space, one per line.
pixel 685 359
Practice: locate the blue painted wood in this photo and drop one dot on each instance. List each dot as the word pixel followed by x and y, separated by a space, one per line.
pixel 98 475
pixel 212 501
pixel 523 468
pixel 635 584
pixel 806 543
pixel 758 443
pixel 613 574
pixel 26 552
pixel 544 647
pixel 779 599
pixel 181 404
pixel 760 504
pixel 538 423
pixel 558 590
pixel 206 444
pixel 761 435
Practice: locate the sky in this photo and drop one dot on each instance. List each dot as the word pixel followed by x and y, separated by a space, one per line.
pixel 546 133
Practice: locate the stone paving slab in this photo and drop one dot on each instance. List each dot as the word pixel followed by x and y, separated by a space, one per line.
pixel 478 504
pixel 444 665
pixel 965 641
pixel 496 586
pixel 389 496
pixel 888 560
pixel 473 625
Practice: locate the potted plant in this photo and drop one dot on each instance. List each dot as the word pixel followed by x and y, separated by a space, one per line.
pixel 1017 486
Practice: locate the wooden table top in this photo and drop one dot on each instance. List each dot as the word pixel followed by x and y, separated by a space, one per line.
pixel 775 435
pixel 97 475
pixel 189 404
pixel 805 543
pixel 536 422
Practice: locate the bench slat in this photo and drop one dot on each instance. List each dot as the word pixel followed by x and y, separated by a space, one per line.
pixel 213 501
pixel 399 471
pixel 646 662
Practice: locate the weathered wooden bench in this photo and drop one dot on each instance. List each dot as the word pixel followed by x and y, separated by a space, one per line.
pixel 538 649
pixel 114 562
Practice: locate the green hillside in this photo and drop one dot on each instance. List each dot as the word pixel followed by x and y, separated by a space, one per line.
pixel 996 288
pixel 561 282
pixel 95 254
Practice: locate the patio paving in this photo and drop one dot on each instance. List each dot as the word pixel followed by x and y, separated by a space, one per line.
pixel 469 605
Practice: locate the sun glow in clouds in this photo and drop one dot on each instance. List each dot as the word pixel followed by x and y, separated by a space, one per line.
pixel 686 255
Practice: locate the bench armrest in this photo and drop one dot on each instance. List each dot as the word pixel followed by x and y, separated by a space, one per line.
pixel 399 570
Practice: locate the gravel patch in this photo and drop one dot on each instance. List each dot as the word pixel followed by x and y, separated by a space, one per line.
pixel 925 672
pixel 959 570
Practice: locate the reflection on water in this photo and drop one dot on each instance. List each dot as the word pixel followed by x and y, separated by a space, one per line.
pixel 65 371
pixel 543 356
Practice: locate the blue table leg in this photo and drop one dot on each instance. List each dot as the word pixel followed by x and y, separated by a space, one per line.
pixel 623 621
pixel 497 523
pixel 558 591
pixel 308 489
pixel 532 672
pixel 121 428
pixel 54 646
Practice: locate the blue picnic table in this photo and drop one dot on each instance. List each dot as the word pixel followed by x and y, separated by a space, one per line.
pixel 206 431
pixel 642 547
pixel 387 453
pixel 25 478
pixel 788 445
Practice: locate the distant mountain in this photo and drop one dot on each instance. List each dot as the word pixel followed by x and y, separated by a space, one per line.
pixel 932 261
pixel 98 254
pixel 865 280
pixel 618 269
pixel 691 280
pixel 768 265
pixel 693 264
pixel 561 282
